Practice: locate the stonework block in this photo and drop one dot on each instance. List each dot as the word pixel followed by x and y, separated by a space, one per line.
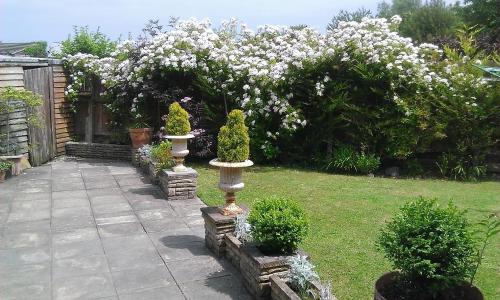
pixel 95 150
pixel 179 185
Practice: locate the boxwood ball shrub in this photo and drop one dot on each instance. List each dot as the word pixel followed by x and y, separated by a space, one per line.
pixel 177 120
pixel 278 225
pixel 233 142
pixel 431 246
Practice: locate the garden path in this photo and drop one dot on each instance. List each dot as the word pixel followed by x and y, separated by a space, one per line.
pixel 94 229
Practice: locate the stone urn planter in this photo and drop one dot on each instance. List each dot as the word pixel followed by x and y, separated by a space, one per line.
pixel 230 182
pixel 16 161
pixel 140 136
pixel 466 292
pixel 179 150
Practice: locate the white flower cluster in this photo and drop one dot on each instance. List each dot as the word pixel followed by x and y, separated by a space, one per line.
pixel 251 66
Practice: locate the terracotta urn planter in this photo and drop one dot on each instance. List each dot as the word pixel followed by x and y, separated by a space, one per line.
pixel 179 150
pixel 466 292
pixel 230 182
pixel 140 136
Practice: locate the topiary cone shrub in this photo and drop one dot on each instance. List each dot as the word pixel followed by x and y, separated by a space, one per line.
pixel 233 142
pixel 177 120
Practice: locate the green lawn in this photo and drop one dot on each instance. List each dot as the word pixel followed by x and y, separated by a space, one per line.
pixel 346 213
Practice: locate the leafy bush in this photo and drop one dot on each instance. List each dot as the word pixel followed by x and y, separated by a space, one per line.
pixel 301 273
pixel 343 159
pixel 431 246
pixel 87 42
pixel 346 159
pixel 37 49
pixel 233 142
pixel 278 225
pixel 5 165
pixel 460 168
pixel 162 155
pixel 367 163
pixel 177 120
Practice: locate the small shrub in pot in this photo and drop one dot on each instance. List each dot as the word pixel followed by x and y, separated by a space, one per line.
pixel 278 225
pixel 433 249
pixel 4 167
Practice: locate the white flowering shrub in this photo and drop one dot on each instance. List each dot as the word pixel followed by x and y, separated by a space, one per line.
pixel 359 83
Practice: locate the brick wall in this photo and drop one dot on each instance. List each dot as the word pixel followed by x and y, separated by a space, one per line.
pixel 94 150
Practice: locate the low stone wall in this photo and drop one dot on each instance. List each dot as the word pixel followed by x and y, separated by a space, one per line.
pixel 94 150
pixel 280 289
pixel 179 185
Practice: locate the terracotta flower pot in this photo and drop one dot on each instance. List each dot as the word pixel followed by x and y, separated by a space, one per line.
pixel 140 136
pixel 230 181
pixel 2 176
pixel 468 292
pixel 179 150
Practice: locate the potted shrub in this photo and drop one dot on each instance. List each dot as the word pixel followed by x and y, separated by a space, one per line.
pixel 4 167
pixel 233 150
pixel 140 133
pixel 178 128
pixel 433 251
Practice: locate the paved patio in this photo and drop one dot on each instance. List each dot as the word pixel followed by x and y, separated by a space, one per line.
pixel 93 229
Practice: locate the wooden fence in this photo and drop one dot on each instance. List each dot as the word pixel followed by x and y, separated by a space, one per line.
pixel 47 78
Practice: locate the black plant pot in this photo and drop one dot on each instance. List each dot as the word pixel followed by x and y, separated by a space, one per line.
pixel 467 292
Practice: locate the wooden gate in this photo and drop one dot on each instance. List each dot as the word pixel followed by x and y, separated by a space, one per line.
pixel 41 137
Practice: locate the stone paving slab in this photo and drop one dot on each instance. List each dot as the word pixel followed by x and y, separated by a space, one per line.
pixel 96 229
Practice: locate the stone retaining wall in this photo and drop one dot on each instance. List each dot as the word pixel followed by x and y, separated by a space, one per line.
pixel 179 186
pixel 94 150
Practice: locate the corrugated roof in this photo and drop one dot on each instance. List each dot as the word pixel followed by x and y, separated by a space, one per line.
pixel 13 48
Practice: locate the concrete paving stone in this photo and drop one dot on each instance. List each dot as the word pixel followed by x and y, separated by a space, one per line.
pixel 137 258
pixel 58 174
pixel 25 239
pixel 70 223
pixel 197 269
pixel 188 210
pixel 100 184
pixel 194 221
pixel 183 251
pixel 198 231
pixel 22 256
pixel 35 196
pixel 79 194
pixel 83 287
pixel 94 171
pixel 171 292
pixel 127 243
pixel 164 224
pixel 122 169
pixel 70 202
pixel 103 192
pixel 128 281
pixel 146 202
pixel 68 186
pixel 4 207
pixel 156 214
pixel 24 274
pixel 32 190
pixel 78 211
pixel 79 265
pixel 111 208
pixel 75 249
pixel 37 182
pixel 31 205
pixel 39 225
pixel 220 288
pixel 116 218
pixel 120 229
pixel 116 198
pixel 77 235
pixel 187 202
pixel 26 215
pixel 34 291
pixel 183 234
pixel 131 180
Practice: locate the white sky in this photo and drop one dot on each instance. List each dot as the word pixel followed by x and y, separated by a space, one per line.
pixel 53 20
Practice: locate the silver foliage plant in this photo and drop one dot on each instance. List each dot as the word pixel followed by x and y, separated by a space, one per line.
pixel 301 273
pixel 145 150
pixel 325 293
pixel 242 229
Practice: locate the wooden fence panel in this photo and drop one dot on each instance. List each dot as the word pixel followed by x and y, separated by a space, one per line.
pixel 63 118
pixel 42 146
